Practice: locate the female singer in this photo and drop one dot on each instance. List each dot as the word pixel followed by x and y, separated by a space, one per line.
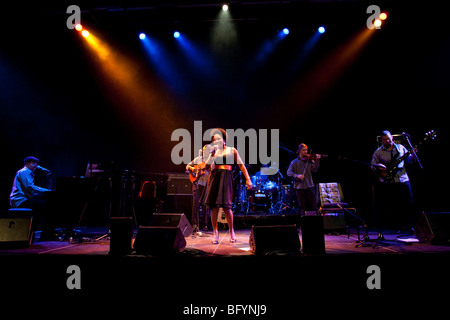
pixel 219 189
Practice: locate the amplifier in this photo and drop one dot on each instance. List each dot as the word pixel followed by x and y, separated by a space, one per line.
pixel 178 184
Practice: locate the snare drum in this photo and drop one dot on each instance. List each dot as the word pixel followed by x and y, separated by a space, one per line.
pixel 260 201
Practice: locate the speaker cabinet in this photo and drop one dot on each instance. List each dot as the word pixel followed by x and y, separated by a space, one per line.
pixel 334 221
pixel 159 240
pixel 267 239
pixel 434 228
pixel 178 220
pixel 164 235
pixel 313 235
pixel 15 232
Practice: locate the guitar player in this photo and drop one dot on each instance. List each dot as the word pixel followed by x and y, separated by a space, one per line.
pixel 392 192
pixel 199 177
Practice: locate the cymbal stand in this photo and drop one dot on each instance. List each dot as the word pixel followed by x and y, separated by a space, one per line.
pixel 242 195
pixel 281 205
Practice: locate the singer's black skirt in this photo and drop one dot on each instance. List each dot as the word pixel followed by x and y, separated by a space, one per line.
pixel 219 189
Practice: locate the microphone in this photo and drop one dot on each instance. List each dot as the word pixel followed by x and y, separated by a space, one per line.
pixel 213 152
pixel 43 169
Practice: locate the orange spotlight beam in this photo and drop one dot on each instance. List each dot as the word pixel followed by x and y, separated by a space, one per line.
pixel 139 98
pixel 322 77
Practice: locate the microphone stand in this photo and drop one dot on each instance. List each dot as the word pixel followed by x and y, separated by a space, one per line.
pixel 366 241
pixel 411 149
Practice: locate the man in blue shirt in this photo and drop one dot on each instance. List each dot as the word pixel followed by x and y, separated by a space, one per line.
pixel 24 193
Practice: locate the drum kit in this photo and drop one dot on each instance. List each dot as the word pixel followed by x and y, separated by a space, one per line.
pixel 271 194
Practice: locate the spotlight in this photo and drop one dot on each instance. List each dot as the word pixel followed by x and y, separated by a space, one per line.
pixel 85 33
pixel 286 31
pixel 176 34
pixel 142 36
pixel 321 29
pixel 383 16
pixel 225 7
pixel 78 27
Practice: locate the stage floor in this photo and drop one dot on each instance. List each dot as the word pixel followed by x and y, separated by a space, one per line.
pixel 227 277
pixel 201 244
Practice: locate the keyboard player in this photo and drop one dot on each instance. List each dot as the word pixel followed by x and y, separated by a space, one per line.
pixel 25 193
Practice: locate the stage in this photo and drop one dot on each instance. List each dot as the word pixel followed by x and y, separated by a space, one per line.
pixel 226 275
pixel 143 83
pixel 96 241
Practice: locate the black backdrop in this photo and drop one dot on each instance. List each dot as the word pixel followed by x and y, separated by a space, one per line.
pixel 54 102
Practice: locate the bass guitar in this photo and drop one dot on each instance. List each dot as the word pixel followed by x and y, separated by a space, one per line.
pixel 392 167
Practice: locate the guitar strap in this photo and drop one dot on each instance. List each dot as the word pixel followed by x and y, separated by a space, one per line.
pixel 394 155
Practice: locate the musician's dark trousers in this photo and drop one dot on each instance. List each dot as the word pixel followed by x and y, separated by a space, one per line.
pixel 40 209
pixel 199 221
pixel 393 206
pixel 306 199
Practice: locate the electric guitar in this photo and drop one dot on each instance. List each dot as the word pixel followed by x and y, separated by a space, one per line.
pixel 392 167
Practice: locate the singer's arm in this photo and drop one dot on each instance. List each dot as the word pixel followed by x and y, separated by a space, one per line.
pixel 241 165
pixel 210 160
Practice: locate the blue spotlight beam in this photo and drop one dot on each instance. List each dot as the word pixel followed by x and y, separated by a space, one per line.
pixel 161 62
pixel 198 58
pixel 268 47
pixel 302 54
pixel 306 50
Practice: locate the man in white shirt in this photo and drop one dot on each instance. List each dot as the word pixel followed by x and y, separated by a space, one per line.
pixel 393 196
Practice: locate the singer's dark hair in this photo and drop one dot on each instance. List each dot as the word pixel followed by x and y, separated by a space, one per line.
pixel 220 131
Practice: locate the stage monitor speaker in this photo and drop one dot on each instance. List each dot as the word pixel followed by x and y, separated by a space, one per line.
pixel 313 237
pixel 334 221
pixel 15 232
pixel 159 240
pixel 434 228
pixel 172 220
pixel 121 235
pixel 268 239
